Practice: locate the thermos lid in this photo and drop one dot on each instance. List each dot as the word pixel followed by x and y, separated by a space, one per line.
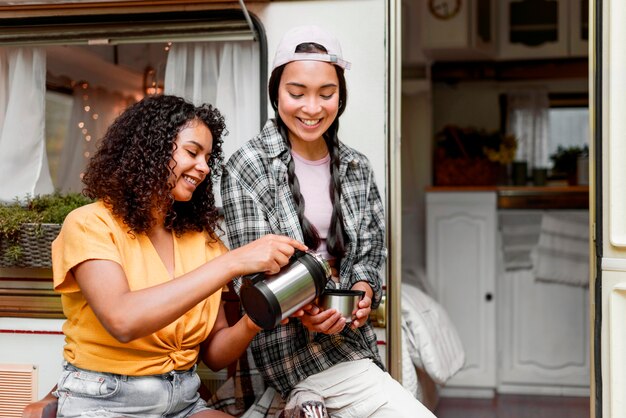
pixel 318 267
pixel 323 263
pixel 260 302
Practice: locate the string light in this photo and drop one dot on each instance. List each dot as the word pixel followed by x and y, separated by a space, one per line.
pixel 151 83
pixel 81 124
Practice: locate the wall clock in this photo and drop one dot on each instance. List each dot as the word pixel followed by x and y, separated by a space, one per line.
pixel 444 9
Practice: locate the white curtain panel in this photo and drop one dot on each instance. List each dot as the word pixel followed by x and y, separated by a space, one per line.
pixel 93 110
pixel 224 74
pixel 23 160
pixel 528 121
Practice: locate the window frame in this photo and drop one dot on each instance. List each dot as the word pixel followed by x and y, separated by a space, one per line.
pixel 28 292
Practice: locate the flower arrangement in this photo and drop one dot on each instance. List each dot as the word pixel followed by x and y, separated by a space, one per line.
pixel 471 156
pixel 476 143
pixel 23 224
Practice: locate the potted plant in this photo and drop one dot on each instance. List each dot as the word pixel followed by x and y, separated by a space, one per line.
pixel 471 156
pixel 565 162
pixel 28 228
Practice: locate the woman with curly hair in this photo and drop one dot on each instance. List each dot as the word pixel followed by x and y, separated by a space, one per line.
pixel 141 269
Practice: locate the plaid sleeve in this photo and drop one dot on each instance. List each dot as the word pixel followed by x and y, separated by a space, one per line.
pixel 244 218
pixel 371 252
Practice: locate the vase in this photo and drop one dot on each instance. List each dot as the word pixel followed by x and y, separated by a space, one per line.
pixel 519 173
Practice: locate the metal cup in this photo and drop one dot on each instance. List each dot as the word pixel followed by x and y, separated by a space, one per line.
pixel 344 301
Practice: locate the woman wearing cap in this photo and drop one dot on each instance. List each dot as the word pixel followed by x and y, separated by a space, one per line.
pixel 297 179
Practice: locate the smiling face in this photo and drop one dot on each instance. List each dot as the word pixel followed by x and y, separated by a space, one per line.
pixel 190 160
pixel 308 102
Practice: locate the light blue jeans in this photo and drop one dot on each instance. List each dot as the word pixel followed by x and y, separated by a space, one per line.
pixel 85 393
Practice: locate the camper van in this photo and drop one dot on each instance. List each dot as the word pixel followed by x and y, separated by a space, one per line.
pixel 493 130
pixel 70 67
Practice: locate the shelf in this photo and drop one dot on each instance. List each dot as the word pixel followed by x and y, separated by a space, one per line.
pixel 566 197
pixel 531 197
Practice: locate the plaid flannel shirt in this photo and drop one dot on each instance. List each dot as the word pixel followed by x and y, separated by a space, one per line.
pixel 257 201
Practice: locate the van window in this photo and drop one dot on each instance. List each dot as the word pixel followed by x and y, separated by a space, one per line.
pixel 96 65
pixel 568 121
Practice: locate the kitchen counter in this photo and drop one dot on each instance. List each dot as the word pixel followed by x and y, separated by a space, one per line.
pixel 529 197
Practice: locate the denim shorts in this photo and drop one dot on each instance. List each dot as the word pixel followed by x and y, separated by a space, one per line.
pixel 84 393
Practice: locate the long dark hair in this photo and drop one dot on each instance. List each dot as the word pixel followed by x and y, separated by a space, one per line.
pixel 336 239
pixel 130 171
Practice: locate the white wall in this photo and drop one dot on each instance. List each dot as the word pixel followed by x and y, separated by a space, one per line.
pixel 36 342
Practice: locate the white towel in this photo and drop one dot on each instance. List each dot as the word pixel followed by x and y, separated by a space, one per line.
pixel 562 253
pixel 519 234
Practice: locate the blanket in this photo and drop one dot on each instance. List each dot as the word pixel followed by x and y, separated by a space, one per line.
pixel 433 342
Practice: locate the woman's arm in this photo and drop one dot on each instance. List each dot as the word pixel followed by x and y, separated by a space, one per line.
pixel 128 315
pixel 225 344
pixel 370 247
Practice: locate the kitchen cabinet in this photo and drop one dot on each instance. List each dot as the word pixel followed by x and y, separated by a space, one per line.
pixel 520 335
pixel 458 29
pixel 542 29
pixel 412 52
pixel 579 28
pixel 543 336
pixel 461 266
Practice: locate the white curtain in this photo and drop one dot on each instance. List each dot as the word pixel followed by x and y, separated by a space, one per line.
pixel 23 160
pixel 224 74
pixel 528 121
pixel 93 110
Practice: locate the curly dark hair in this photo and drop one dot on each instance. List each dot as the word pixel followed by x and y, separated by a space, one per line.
pixel 130 170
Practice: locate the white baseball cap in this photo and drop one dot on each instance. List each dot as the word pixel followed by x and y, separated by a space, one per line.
pixel 285 52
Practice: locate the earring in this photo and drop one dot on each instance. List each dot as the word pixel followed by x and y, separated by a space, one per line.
pixel 340 104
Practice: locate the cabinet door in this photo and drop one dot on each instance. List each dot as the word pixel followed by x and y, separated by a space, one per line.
pixel 579 28
pixel 544 332
pixel 534 28
pixel 458 29
pixel 461 235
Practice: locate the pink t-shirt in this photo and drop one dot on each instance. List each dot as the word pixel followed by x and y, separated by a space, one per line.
pixel 314 179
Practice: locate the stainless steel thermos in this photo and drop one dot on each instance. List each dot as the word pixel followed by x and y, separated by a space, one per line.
pixel 268 299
